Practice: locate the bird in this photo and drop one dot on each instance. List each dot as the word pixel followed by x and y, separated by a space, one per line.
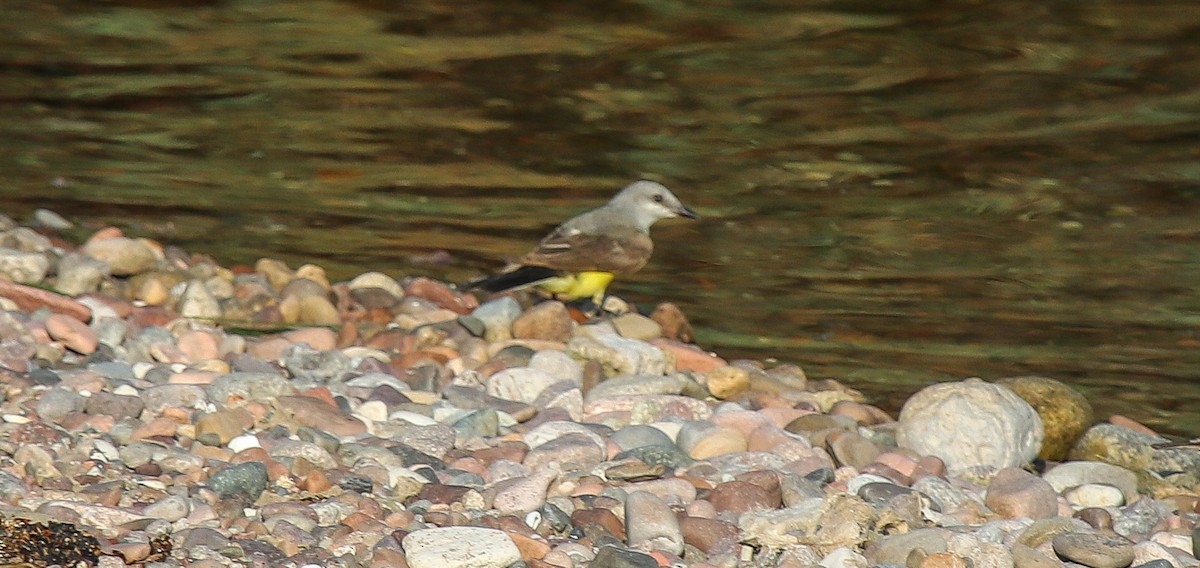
pixel 581 257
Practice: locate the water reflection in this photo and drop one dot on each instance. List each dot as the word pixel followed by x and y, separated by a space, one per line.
pixel 894 194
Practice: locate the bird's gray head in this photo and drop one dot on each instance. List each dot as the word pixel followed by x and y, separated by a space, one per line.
pixel 648 201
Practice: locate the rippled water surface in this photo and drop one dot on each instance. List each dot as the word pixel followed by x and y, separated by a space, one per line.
pixel 894 193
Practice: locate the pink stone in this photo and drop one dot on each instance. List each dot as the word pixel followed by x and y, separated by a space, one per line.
pixel 779 442
pixel 1015 493
pixel 745 421
pixel 319 338
pixel 160 426
pixel 689 357
pixel 783 415
pixel 899 462
pixel 192 378
pixel 74 334
pixel 269 349
pixel 199 345
pixel 1126 422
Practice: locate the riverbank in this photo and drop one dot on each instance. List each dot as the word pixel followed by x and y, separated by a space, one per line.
pixel 183 413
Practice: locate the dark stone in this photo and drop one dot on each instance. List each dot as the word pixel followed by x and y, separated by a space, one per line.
pixel 357 484
pixel 878 494
pixel 821 476
pixel 670 456
pixel 412 456
pixel 442 494
pixel 248 479
pixel 615 557
pixel 115 405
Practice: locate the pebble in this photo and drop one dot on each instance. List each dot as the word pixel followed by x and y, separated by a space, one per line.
pixel 650 524
pixel 969 424
pixel 198 302
pixel 460 547
pixel 522 384
pixel 1015 493
pixel 1094 549
pixel 23 267
pixel 497 317
pixel 727 382
pixel 613 557
pixel 80 274
pixel 1094 495
pixel 248 479
pixel 124 256
pixel 1064 411
pixel 617 355
pixel 1065 476
pixel 636 326
pixel 547 321
pixel 74 334
pixel 51 220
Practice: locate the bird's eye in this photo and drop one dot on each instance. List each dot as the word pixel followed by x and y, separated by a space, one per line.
pixel 658 198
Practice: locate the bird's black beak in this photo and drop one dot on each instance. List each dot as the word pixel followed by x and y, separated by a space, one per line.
pixel 685 212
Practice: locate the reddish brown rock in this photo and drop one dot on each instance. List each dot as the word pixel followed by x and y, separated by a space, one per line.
pixel 602 518
pixel 674 323
pixel 711 536
pixel 444 494
pixel 546 321
pixel 315 413
pixel 767 480
pixel 200 345
pixel 739 497
pixel 442 295
pixel 31 299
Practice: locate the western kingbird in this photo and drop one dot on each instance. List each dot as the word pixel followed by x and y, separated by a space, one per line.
pixel 582 256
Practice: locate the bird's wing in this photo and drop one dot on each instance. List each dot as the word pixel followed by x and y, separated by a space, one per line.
pixel 619 250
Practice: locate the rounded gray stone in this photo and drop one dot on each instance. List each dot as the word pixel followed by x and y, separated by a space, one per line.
pixel 1094 549
pixel 650 524
pixel 248 479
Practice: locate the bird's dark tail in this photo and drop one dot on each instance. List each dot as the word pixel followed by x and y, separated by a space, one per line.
pixel 522 276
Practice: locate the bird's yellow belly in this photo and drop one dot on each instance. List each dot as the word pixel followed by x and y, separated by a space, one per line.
pixel 570 287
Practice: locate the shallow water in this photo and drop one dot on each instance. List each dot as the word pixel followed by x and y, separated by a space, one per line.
pixel 893 193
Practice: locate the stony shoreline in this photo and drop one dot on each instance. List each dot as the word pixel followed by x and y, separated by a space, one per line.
pixel 161 410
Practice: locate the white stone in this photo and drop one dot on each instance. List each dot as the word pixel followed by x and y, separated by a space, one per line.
pixel 377 280
pixel 23 267
pixel 199 302
pixel 373 410
pixel 970 424
pixel 522 384
pixel 1094 495
pixel 1067 475
pixel 460 547
pixel 126 390
pixel 414 418
pixel 555 429
pixel 244 442
pixel 560 365
pixel 618 355
pixel 843 557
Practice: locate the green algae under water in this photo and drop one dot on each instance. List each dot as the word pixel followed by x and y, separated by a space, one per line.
pixel 893 193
